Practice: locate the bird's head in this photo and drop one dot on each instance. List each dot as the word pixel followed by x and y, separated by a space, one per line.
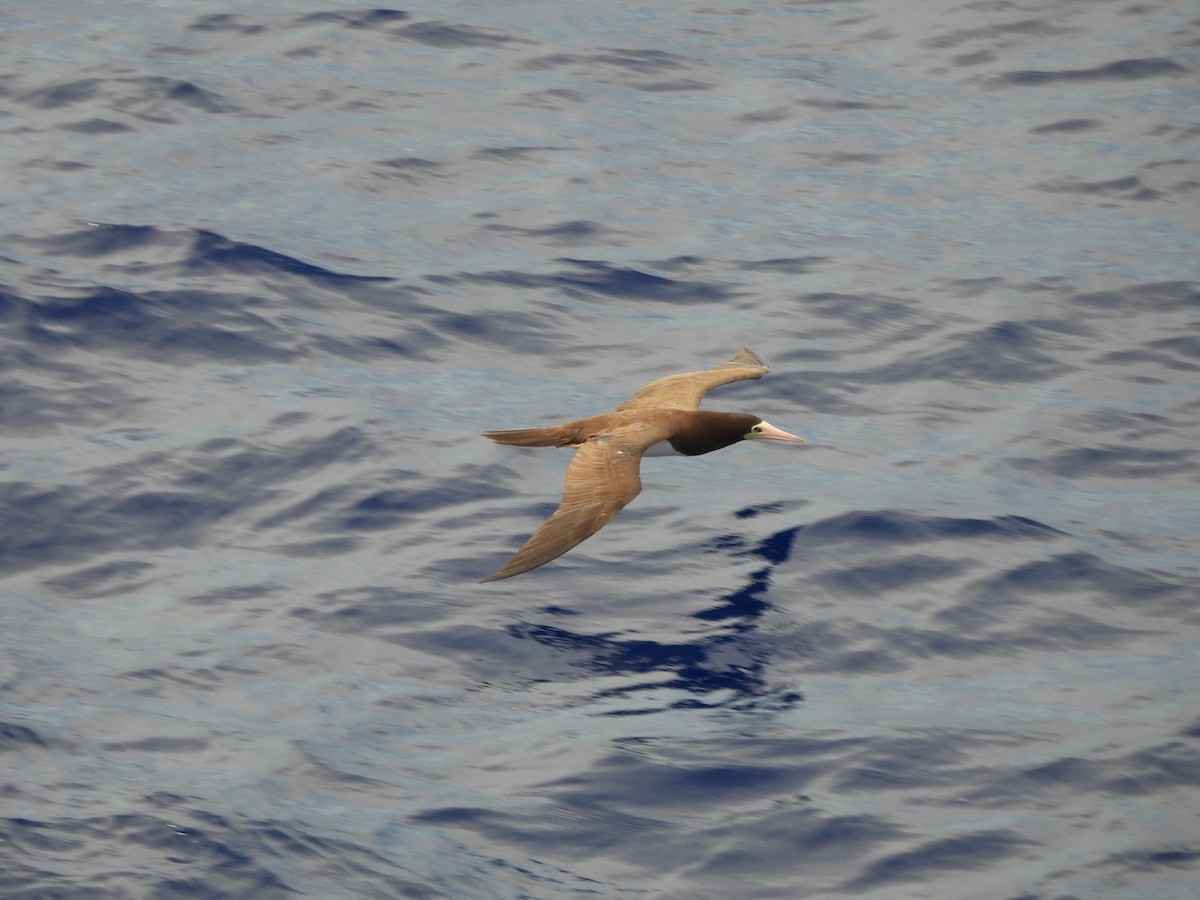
pixel 765 431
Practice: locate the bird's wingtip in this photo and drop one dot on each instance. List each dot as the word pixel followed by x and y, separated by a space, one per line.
pixel 500 573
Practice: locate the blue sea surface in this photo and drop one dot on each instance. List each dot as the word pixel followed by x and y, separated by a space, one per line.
pixel 266 272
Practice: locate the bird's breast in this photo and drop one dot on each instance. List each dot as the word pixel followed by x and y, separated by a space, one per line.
pixel 662 448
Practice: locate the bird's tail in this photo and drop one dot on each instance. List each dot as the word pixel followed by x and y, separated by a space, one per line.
pixel 553 436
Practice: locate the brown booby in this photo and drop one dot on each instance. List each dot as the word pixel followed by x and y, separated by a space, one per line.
pixel 663 418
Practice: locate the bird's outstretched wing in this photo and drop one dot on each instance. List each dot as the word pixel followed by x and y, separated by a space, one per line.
pixel 687 390
pixel 601 479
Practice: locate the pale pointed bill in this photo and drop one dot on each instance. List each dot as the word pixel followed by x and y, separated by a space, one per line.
pixel 771 433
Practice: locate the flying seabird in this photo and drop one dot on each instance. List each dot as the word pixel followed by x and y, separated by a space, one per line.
pixel 663 419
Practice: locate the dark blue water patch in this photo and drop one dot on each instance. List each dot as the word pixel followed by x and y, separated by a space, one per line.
pixel 193 95
pixel 730 665
pixel 11 305
pixel 698 670
pixel 827 394
pixel 790 265
pixel 14 737
pixel 318 547
pixel 492 656
pixel 751 512
pixel 185 851
pixel 188 326
pixel 841 104
pixel 722 669
pixel 47 525
pixel 872 578
pixel 450 37
pixel 864 160
pixel 589 277
pixel 866 649
pixel 101 240
pixel 411 169
pixel 105 580
pixel 1120 70
pixel 632 782
pixel 272 281
pixel 157 681
pixel 568 232
pixel 551 834
pixel 1000 353
pixel 670 799
pixel 767 116
pixel 679 84
pixel 515 331
pixel 530 154
pixel 815 835
pixel 971 630
pixel 41 408
pixel 1126 427
pixel 895 527
pixel 322 501
pixel 1069 771
pixel 1049 630
pixel 387 507
pixel 81 90
pixel 105 307
pixel 889 765
pixel 214 253
pixel 1113 463
pixel 188 848
pixel 235 594
pixel 1067 126
pixel 367 19
pixel 160 500
pixel 176 327
pixel 775 548
pixel 221 23
pixel 172 517
pixel 625 282
pixel 157 745
pixel 1149 772
pixel 993 32
pixel 1143 299
pixel 750 601
pixel 638 61
pixel 228 465
pixel 1128 188
pixel 368 609
pixel 418 343
pixel 1183 857
pixel 1076 572
pixel 860 313
pixel 829 647
pixel 1180 354
pixel 684 263
pixel 150 98
pixel 718 782
pixel 980 850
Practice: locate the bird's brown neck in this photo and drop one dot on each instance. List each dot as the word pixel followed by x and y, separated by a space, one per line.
pixel 702 432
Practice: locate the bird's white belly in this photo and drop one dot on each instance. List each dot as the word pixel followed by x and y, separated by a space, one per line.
pixel 662 448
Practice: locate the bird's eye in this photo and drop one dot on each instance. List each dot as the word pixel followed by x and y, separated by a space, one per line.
pixel 757 428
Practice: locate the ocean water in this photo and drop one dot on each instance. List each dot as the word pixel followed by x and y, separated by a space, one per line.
pixel 267 270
